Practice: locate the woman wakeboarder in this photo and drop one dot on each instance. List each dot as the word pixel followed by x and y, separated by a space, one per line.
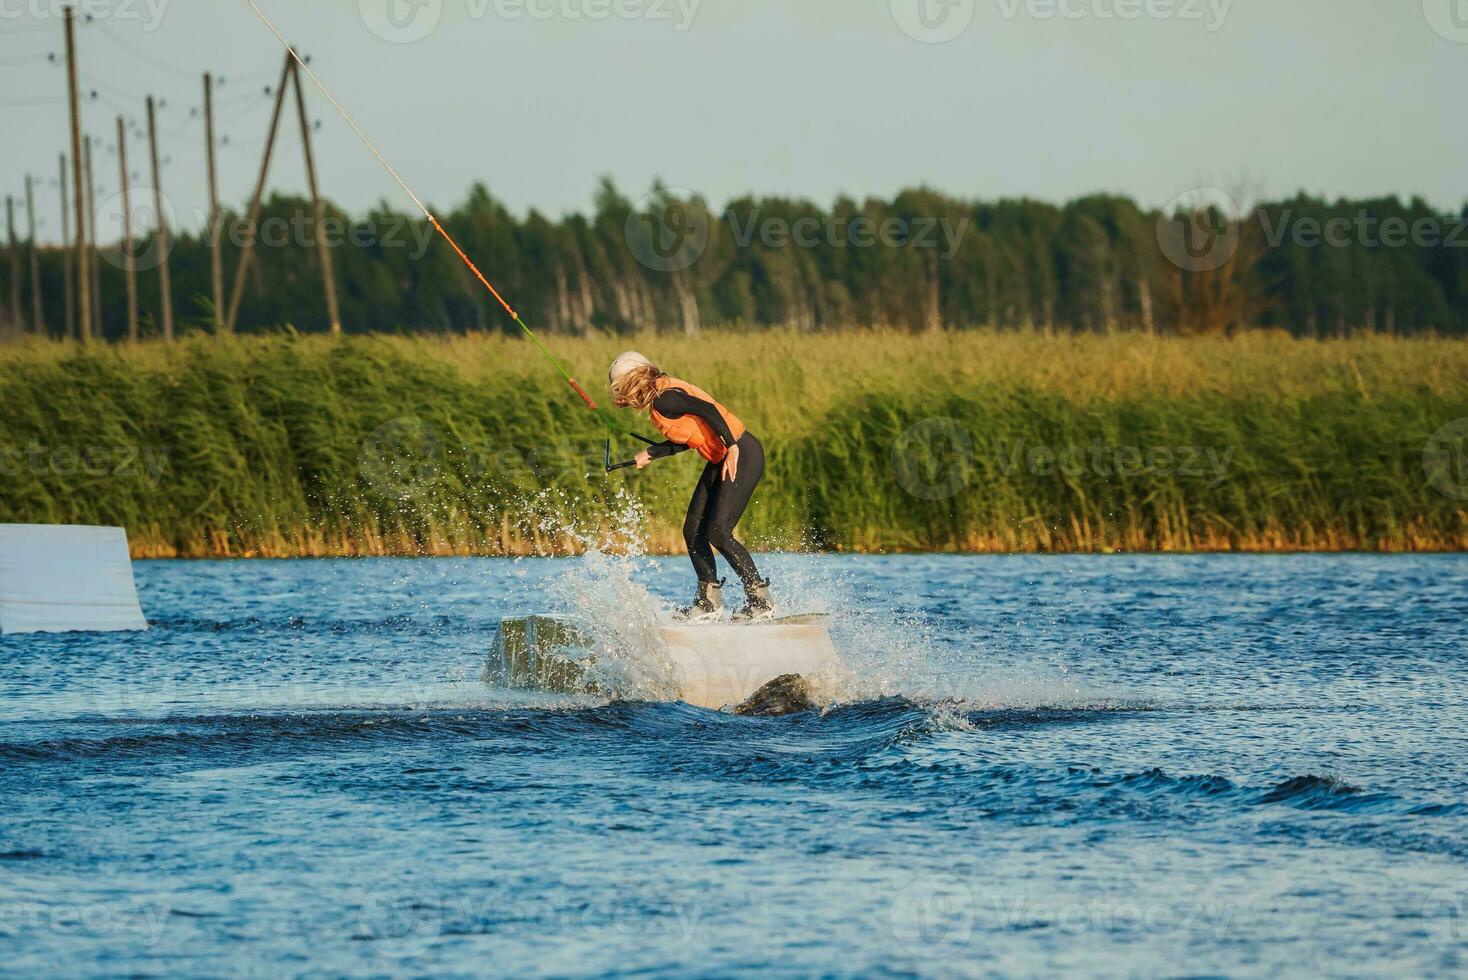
pixel 689 418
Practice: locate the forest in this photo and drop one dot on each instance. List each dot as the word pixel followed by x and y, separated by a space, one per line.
pixel 921 261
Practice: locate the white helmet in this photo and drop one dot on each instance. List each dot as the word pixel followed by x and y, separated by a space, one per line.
pixel 625 364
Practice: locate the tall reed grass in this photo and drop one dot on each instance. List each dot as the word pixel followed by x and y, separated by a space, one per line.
pixel 290 445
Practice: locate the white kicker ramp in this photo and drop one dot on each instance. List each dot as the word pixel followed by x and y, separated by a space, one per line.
pixel 59 578
pixel 717 665
pixel 714 665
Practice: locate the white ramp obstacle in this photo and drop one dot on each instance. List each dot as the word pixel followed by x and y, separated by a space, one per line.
pixel 713 665
pixel 60 578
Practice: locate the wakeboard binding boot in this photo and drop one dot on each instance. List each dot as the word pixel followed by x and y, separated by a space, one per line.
pixel 707 608
pixel 758 607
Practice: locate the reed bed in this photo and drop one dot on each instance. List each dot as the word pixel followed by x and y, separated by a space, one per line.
pixel 287 445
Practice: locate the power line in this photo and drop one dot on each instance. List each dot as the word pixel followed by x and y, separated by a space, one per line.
pixel 34 100
pixel 145 56
pixel 28 60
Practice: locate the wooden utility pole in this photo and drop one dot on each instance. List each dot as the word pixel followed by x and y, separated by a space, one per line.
pixel 17 320
pixel 69 291
pixel 83 267
pixel 216 263
pixel 15 316
pixel 129 269
pixel 92 242
pixel 163 241
pixel 6 327
pixel 237 293
pixel 328 274
pixel 38 313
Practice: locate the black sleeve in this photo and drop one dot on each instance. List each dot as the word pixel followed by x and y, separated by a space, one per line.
pixel 664 449
pixel 676 403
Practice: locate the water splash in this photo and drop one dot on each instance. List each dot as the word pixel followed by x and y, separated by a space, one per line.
pixel 884 654
pixel 622 651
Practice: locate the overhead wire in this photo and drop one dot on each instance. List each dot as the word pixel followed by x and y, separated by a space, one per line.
pixel 611 421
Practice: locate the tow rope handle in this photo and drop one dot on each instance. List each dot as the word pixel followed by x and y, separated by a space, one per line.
pixel 607 453
pixel 607 447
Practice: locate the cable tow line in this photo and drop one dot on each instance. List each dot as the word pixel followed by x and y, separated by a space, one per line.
pixel 613 424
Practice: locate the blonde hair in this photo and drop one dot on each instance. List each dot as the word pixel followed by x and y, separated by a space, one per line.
pixel 637 388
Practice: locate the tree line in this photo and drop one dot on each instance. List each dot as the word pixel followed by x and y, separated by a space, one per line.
pixel 920 261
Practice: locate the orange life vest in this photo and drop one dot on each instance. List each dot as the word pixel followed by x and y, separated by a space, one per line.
pixel 692 431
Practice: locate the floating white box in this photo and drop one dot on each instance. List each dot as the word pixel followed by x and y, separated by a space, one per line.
pixel 714 665
pixel 61 578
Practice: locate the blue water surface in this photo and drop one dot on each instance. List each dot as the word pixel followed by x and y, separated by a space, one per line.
pixel 1171 766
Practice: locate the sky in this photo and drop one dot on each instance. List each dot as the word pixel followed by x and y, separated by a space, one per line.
pixel 539 99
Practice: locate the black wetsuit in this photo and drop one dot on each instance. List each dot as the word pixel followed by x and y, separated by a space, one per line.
pixel 717 503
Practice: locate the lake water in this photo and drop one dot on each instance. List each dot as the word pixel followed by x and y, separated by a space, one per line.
pixel 1109 765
